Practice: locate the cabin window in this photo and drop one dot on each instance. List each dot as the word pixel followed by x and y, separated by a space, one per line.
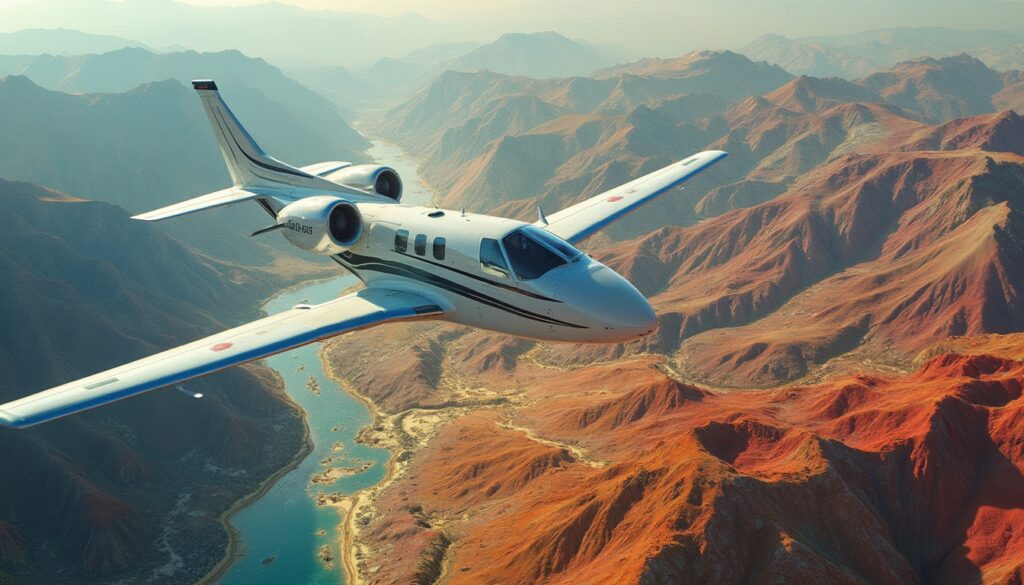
pixel 439 248
pixel 421 244
pixel 401 241
pixel 529 257
pixel 492 260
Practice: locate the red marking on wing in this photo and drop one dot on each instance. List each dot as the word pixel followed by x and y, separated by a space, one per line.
pixel 614 198
pixel 221 346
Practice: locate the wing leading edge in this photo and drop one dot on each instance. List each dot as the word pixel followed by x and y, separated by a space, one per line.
pixel 578 222
pixel 255 340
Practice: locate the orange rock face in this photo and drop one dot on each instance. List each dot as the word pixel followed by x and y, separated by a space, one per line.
pixel 884 252
pixel 834 392
pixel 868 478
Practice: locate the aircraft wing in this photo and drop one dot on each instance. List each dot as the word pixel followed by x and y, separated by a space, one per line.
pixel 276 333
pixel 580 221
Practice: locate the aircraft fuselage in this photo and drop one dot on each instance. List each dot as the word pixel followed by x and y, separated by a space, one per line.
pixel 438 253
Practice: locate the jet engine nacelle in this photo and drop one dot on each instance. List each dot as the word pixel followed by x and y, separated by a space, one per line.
pixel 321 224
pixel 378 179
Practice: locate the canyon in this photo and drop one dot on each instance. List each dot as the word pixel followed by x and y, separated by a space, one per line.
pixel 834 391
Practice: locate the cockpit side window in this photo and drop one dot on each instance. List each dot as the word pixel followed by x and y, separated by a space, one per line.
pixel 492 260
pixel 530 259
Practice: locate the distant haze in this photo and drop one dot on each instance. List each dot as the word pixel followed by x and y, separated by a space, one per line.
pixel 648 27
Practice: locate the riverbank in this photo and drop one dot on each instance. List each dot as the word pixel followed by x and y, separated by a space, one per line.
pixel 232 552
pixel 404 434
pixel 350 506
pixel 283 531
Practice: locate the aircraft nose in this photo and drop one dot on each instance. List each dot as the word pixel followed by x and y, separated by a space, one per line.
pixel 611 302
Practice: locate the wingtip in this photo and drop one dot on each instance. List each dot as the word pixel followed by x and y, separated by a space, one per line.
pixel 148 216
pixel 204 84
pixel 9 420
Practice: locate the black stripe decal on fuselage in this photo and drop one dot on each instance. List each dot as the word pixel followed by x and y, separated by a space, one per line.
pixel 399 269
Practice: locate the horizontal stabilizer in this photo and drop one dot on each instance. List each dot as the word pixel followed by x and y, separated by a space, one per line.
pixel 208 201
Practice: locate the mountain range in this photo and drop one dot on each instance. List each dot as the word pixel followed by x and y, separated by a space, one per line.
pixel 509 143
pixel 834 392
pixel 286 34
pixel 490 138
pixel 543 54
pixel 60 41
pixel 621 472
pixel 100 496
pixel 793 219
pixel 858 55
pixel 152 145
pixel 539 55
pixel 249 84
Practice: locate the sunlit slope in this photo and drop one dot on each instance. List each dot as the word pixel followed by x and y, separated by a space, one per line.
pixel 843 225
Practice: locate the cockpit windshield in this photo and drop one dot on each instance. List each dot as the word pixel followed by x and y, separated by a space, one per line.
pixel 554 242
pixel 533 252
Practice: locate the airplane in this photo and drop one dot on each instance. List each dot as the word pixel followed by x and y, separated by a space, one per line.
pixel 415 262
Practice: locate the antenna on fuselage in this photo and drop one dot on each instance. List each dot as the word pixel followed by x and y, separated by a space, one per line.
pixel 540 215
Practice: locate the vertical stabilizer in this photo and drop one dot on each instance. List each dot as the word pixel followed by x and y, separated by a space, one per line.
pixel 247 163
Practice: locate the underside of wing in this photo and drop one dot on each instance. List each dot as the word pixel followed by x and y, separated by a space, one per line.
pixel 274 334
pixel 580 221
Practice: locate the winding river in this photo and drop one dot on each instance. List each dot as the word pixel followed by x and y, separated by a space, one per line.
pixel 283 533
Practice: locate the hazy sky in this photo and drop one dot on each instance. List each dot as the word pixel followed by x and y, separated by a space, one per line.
pixel 795 14
pixel 647 27
pixel 661 25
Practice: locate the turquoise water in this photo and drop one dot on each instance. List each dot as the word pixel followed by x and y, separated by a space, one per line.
pixel 286 525
pixel 282 532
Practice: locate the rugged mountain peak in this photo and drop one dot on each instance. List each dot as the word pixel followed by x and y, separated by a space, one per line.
pixel 944 88
pixel 543 55
pixel 813 94
pixel 998 132
pixel 19 84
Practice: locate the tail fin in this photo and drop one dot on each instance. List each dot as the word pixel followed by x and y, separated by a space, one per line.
pixel 255 174
pixel 247 163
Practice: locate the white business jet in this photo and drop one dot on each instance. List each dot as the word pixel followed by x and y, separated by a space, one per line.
pixel 416 263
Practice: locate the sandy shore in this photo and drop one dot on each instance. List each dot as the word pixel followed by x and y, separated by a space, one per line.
pixel 357 504
pixel 232 553
pixel 402 434
pixel 350 506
